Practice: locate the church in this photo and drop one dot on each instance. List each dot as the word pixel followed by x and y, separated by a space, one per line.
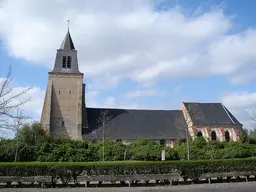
pixel 65 113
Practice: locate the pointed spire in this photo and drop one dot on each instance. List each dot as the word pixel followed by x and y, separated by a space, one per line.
pixel 67 43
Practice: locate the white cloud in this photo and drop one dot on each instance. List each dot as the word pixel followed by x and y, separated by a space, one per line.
pixel 94 99
pixel 241 104
pixel 110 101
pixel 240 100
pixel 104 82
pixel 177 89
pixel 34 106
pixel 127 39
pixel 235 55
pixel 31 97
pixel 144 93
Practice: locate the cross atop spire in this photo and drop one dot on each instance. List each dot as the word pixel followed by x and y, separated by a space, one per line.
pixel 68 24
pixel 67 43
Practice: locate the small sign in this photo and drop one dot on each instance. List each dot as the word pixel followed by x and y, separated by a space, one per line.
pixel 163 155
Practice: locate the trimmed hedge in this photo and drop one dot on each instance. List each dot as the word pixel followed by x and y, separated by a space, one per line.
pixel 70 170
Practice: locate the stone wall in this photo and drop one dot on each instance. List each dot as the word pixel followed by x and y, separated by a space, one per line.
pixel 65 105
pixel 222 133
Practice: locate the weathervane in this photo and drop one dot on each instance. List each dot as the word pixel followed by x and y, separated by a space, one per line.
pixel 68 24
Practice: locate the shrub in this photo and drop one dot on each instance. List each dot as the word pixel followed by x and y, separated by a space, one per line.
pixel 239 150
pixel 171 154
pixel 68 170
pixel 7 150
pixel 181 151
pixel 113 151
pixel 145 149
pixel 34 145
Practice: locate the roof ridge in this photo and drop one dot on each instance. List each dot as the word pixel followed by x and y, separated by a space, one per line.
pixel 203 102
pixel 103 108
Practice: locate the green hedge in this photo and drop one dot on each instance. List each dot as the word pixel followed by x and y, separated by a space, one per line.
pixel 32 144
pixel 69 170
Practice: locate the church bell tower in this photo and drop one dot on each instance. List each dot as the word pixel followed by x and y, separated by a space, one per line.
pixel 64 99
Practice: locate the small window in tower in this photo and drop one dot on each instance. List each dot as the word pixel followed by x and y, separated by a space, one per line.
pixel 69 62
pixel 64 62
pixel 63 124
pixel 69 91
pixel 59 91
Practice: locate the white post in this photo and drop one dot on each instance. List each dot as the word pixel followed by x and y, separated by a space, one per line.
pixel 103 139
pixel 124 155
pixel 188 155
pixel 163 155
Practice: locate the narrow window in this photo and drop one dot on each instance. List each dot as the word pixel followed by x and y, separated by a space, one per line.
pixel 62 124
pixel 69 62
pixel 199 134
pixel 227 136
pixel 213 136
pixel 59 91
pixel 69 91
pixel 64 62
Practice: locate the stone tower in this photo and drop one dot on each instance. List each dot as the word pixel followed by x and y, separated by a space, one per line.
pixel 64 102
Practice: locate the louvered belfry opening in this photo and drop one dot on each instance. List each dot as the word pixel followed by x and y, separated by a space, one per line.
pixel 64 62
pixel 69 62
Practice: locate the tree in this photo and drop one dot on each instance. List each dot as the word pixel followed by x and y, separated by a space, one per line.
pixel 11 101
pixel 187 119
pixel 252 133
pixel 18 121
pixel 253 118
pixel 104 117
pixel 244 135
pixel 31 134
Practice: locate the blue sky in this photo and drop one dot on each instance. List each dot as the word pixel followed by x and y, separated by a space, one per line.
pixel 137 54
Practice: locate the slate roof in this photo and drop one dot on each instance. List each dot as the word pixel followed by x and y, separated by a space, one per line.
pixel 210 114
pixel 132 124
pixel 67 43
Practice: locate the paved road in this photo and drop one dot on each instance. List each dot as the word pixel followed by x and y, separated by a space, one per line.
pixel 223 187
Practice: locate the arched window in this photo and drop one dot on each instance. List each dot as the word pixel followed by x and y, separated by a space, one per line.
pixel 213 136
pixel 64 62
pixel 199 134
pixel 69 62
pixel 227 136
